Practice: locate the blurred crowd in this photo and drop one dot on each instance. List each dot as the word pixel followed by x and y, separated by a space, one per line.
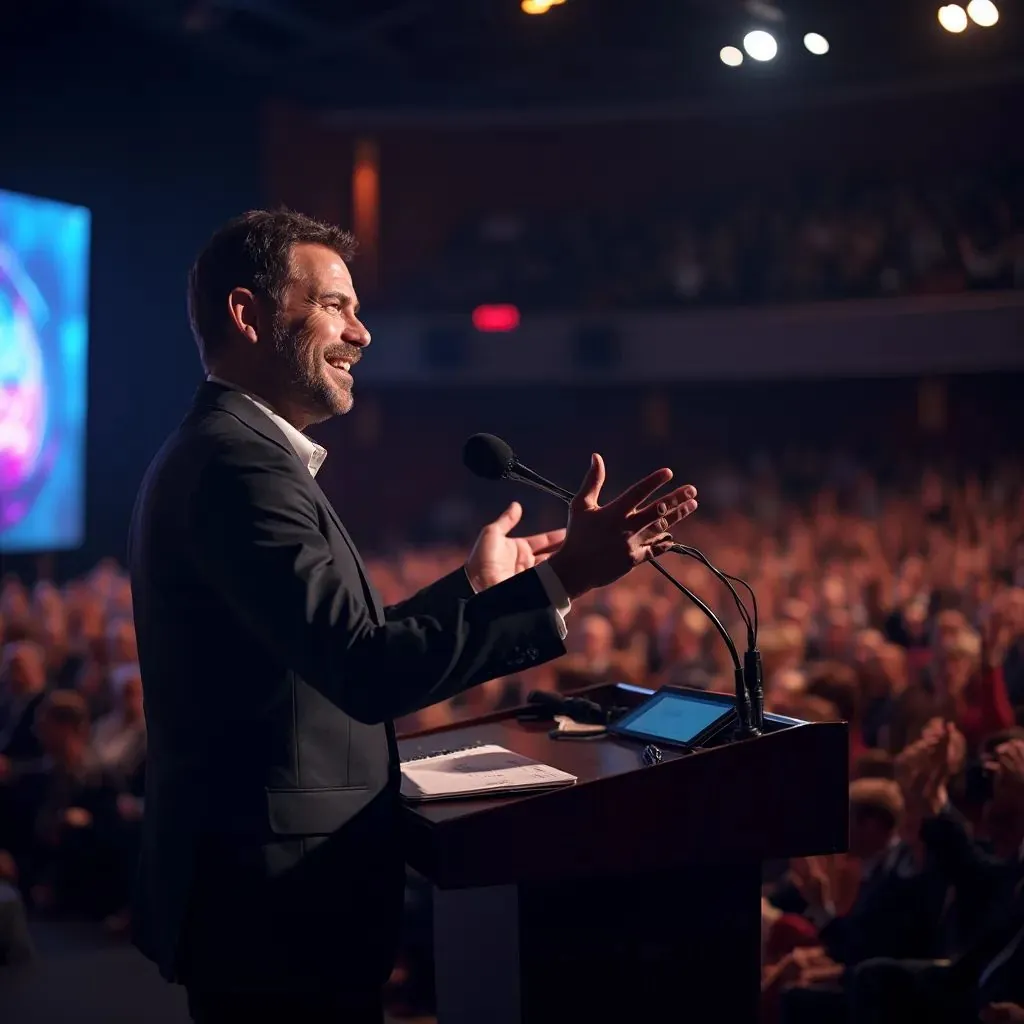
pixel 821 240
pixel 899 609
pixel 72 750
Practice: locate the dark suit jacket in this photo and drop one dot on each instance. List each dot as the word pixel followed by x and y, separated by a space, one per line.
pixel 983 884
pixel 271 672
pixel 896 913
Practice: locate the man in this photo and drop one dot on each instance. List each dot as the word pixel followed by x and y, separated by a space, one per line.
pixel 271 870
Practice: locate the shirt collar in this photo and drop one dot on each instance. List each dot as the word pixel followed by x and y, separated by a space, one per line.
pixel 311 453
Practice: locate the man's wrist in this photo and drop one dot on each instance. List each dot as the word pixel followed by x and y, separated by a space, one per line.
pixel 568 576
pixel 556 593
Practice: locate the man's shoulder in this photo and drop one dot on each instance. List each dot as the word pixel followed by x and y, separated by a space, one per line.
pixel 206 438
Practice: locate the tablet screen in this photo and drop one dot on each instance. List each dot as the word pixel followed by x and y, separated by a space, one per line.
pixel 674 717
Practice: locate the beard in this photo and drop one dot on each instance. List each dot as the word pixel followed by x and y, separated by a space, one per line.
pixel 310 380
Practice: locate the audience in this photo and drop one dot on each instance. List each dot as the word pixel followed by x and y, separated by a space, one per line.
pixel 897 607
pixel 822 240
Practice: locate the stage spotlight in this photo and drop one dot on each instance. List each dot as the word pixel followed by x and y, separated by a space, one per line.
pixel 760 45
pixel 983 13
pixel 816 43
pixel 535 6
pixel 953 18
pixel 731 56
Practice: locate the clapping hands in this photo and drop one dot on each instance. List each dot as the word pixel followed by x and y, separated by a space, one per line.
pixel 924 768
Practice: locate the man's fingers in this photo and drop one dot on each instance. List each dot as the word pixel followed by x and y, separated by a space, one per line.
pixel 508 519
pixel 632 496
pixel 667 511
pixel 590 489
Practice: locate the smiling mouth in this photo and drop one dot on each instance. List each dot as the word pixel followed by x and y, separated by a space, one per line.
pixel 341 364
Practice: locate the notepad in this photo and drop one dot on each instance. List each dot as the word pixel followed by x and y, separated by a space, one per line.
pixel 477 771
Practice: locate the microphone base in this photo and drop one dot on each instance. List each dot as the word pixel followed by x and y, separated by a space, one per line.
pixel 745 732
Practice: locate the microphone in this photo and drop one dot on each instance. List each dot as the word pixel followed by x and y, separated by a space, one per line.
pixel 492 458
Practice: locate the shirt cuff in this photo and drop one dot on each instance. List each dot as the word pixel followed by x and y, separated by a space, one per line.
pixel 553 588
pixel 556 595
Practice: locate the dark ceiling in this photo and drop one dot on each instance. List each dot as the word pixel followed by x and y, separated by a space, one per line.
pixel 449 54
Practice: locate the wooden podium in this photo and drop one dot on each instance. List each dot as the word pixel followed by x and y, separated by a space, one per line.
pixel 633 896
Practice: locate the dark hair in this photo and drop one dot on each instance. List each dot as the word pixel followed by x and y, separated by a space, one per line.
pixel 874 764
pixel 64 707
pixel 837 683
pixel 252 251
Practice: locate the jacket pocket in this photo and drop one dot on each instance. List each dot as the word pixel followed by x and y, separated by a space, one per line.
pixel 314 812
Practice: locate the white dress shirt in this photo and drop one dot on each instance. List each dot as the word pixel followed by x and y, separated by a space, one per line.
pixel 313 456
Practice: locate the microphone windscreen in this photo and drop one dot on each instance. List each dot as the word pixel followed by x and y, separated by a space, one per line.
pixel 488 456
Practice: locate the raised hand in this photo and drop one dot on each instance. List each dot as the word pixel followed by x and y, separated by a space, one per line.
pixel 604 542
pixel 496 556
pixel 923 769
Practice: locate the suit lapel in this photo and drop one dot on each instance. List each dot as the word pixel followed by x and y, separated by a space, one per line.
pixel 212 395
pixel 371 593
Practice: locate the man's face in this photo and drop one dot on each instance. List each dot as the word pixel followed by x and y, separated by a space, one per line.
pixel 317 335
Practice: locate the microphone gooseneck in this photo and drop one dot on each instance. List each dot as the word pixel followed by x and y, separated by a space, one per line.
pixel 492 458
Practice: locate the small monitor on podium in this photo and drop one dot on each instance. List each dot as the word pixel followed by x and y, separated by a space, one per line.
pixel 677 717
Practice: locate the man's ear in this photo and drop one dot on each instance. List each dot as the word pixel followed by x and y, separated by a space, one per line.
pixel 243 308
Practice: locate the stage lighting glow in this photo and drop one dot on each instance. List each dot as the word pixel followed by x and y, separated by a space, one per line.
pixel 760 45
pixel 731 56
pixel 816 43
pixel 983 13
pixel 535 6
pixel 953 18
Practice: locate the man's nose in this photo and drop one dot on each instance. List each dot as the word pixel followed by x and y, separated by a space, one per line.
pixel 357 334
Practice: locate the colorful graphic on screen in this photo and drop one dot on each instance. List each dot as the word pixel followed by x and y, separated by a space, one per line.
pixel 44 339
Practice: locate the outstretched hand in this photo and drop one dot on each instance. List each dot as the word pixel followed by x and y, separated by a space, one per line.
pixel 496 556
pixel 604 542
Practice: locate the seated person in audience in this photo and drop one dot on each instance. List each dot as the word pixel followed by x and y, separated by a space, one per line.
pixel 22 685
pixel 883 677
pixel 596 660
pixel 837 683
pixel 118 742
pixel 66 828
pixel 986 976
pixel 15 608
pixel 874 764
pixel 681 652
pixel 896 911
pixel 964 684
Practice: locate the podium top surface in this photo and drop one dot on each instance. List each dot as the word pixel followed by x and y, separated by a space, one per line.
pixel 783 794
pixel 589 760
